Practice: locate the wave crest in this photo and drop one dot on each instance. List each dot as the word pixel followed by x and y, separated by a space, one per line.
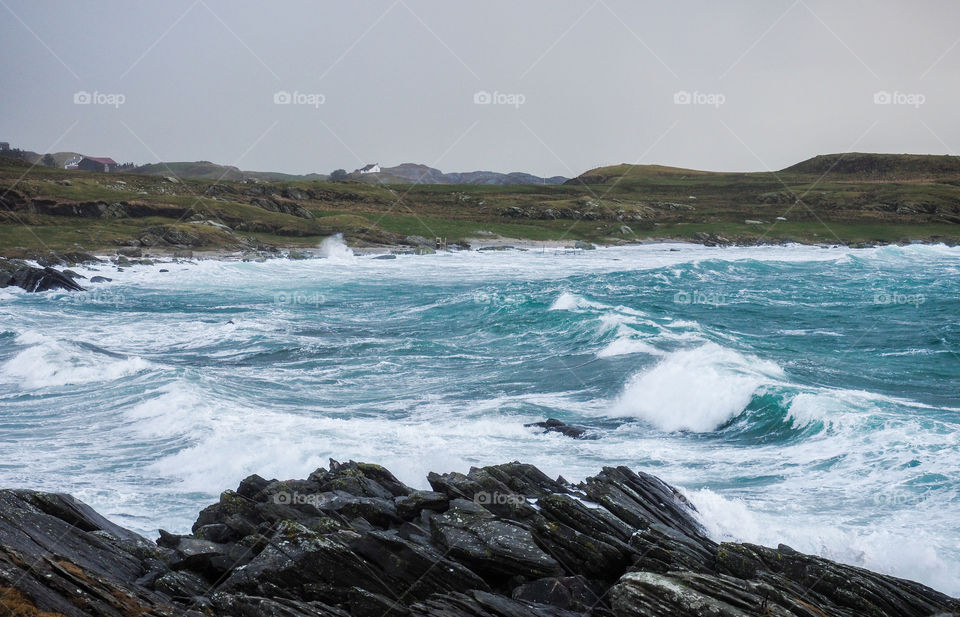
pixel 696 389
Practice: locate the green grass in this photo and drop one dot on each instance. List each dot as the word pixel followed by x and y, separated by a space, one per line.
pixel 839 207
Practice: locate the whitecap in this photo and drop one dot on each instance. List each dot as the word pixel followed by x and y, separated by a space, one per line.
pixel 695 389
pixel 49 362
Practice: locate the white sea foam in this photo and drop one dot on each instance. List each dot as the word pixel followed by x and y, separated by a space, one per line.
pixel 626 344
pixel 903 551
pixel 695 389
pixel 568 301
pixel 48 362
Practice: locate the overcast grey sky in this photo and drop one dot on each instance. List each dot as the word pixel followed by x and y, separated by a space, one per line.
pixel 578 83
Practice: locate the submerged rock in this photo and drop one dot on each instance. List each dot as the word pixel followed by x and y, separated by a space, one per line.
pixel 498 541
pixel 552 425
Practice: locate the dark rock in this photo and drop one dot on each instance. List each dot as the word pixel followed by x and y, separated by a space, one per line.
pixel 410 506
pixel 63 557
pixel 168 540
pixel 574 593
pixel 580 552
pixel 50 260
pixel 18 273
pixel 240 605
pixel 180 585
pixel 60 259
pixel 283 207
pixel 100 279
pixel 209 559
pixel 417 570
pixel 484 604
pixel 376 510
pixel 490 546
pixel 292 192
pixel 360 479
pixel 710 239
pixel 640 500
pixel 498 541
pixel 552 425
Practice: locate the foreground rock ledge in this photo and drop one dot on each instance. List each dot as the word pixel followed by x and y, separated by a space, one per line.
pixel 500 541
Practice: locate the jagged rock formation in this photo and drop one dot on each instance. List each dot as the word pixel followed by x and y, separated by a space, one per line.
pixel 499 541
pixel 16 272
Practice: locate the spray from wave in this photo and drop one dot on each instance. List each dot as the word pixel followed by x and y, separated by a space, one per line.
pixel 334 249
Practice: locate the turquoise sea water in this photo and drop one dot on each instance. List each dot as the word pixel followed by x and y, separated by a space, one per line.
pixel 796 394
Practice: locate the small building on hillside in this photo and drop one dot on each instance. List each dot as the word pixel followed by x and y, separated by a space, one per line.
pixel 373 168
pixel 97 163
pixel 4 146
pixel 72 162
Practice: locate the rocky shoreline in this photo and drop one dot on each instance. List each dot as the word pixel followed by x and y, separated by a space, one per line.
pixel 499 541
pixel 18 270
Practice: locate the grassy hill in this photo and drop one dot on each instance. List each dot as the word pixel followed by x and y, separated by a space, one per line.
pixel 624 171
pixel 198 170
pixel 205 170
pixel 71 210
pixel 864 166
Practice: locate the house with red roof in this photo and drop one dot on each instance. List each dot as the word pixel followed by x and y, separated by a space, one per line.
pixel 97 163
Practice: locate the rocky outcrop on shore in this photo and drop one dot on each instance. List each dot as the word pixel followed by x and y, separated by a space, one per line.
pixel 499 541
pixel 18 273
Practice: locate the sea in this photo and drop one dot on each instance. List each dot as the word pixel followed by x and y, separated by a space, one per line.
pixel 801 395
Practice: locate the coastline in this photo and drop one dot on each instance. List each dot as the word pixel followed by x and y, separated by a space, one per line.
pixel 352 540
pixel 166 254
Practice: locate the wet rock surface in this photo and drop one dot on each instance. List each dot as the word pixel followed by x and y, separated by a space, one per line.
pixel 17 273
pixel 504 540
pixel 552 425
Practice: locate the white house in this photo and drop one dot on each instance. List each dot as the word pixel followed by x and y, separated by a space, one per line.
pixel 373 168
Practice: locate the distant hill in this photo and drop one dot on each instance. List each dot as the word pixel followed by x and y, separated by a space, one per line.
pixel 867 166
pixel 277 176
pixel 205 170
pixel 625 171
pixel 198 170
pixel 415 173
pixel 850 166
pixel 60 158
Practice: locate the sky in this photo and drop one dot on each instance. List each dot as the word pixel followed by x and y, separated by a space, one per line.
pixel 549 87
